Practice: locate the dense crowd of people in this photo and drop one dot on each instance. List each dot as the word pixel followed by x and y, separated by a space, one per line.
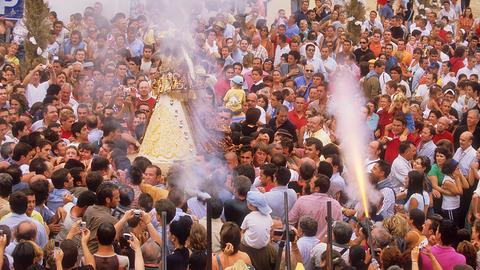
pixel 70 198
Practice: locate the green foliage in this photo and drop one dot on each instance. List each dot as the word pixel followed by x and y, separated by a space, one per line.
pixel 36 21
pixel 355 9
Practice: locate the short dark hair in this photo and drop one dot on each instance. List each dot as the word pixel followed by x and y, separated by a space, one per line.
pixel 18 202
pixel 314 141
pixel 245 170
pixel 145 201
pixel 59 177
pixel 322 182
pixel 418 218
pixel 342 232
pixel 94 179
pixel 21 149
pixel 306 171
pixel 99 163
pixel 106 233
pixel 384 167
pixel 404 146
pixel 41 191
pixel 282 176
pixel 325 168
pixel 449 166
pixel 308 225
pixel 104 191
pixel 38 165
pixel 5 185
pixel 216 205
pixel 70 253
pixel 181 228
pixel 86 198
pixel 242 185
pixel 448 232
pixel 167 206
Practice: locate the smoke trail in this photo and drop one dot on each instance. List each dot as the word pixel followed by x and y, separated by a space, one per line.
pixel 351 130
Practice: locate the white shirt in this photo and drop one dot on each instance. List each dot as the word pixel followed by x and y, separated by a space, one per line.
pixel 422 91
pixel 388 205
pixel 303 50
pixel 465 158
pixel 263 117
pixel 330 64
pixel 318 66
pixel 305 245
pixel 400 169
pixel 257 229
pixel 36 94
pixel 278 53
pixel 383 79
pixel 465 70
pixel 450 202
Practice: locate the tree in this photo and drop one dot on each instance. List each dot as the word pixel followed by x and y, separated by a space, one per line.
pixel 356 15
pixel 36 22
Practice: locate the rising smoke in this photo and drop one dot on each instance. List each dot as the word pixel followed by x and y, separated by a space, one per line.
pixel 351 129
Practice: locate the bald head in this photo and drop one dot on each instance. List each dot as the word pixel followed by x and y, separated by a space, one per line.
pixel 466 140
pixel 26 230
pixel 151 252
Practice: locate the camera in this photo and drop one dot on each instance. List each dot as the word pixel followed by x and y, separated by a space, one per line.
pixel 127 236
pixel 57 244
pixel 83 225
pixel 137 213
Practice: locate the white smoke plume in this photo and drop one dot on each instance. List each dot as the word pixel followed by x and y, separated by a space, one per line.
pixel 351 130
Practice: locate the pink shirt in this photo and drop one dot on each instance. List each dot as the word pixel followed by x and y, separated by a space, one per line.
pixel 315 206
pixel 447 257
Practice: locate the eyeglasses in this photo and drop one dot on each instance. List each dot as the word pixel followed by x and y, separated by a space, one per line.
pixel 311 50
pixel 308 70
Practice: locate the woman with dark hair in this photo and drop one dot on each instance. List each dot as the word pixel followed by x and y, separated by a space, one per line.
pixel 250 124
pixel 197 243
pixel 357 257
pixel 465 21
pixel 26 254
pixel 453 184
pixel 417 197
pixel 178 234
pixel 422 165
pixel 436 177
pixel 19 103
pixel 267 66
pixel 230 238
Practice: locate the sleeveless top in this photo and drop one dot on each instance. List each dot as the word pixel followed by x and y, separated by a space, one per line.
pixel 107 263
pixel 220 266
pixel 450 202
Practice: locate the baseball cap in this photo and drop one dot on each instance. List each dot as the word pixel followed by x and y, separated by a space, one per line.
pixel 237 79
pixel 434 65
pixel 257 199
pixel 449 91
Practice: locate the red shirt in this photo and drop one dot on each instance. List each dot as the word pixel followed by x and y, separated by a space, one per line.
pixel 385 118
pixel 391 151
pixel 66 134
pixel 220 88
pixel 150 102
pixel 297 121
pixel 445 135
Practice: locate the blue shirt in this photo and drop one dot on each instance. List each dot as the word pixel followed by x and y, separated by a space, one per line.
pixel 46 213
pixel 275 200
pixel 292 30
pixel 55 199
pixel 15 219
pixel 136 47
